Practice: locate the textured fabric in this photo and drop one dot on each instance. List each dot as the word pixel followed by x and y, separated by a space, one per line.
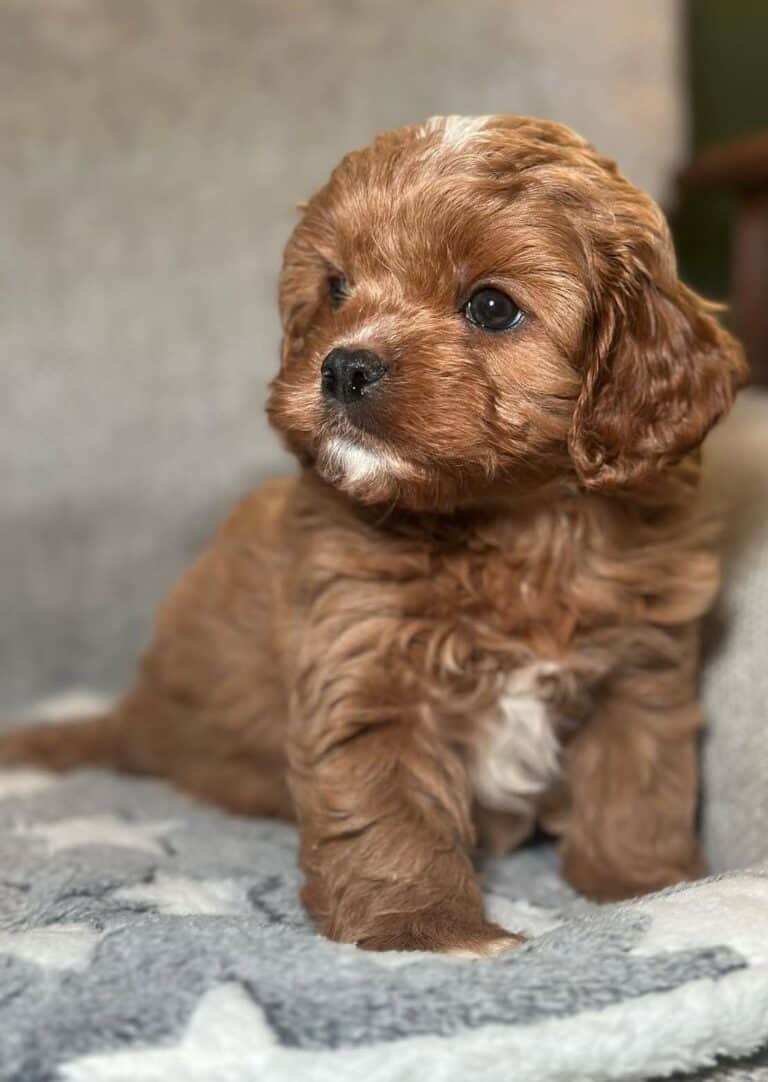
pixel 153 152
pixel 146 939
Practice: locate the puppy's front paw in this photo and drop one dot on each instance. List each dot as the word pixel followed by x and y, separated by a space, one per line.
pixel 441 931
pixel 488 948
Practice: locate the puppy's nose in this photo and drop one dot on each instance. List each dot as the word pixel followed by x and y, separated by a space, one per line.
pixel 347 374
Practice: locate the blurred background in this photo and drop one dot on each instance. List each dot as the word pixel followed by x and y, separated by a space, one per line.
pixel 151 156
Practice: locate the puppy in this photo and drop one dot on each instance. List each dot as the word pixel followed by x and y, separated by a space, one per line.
pixel 476 608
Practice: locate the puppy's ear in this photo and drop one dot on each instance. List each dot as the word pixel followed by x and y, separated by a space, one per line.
pixel 658 372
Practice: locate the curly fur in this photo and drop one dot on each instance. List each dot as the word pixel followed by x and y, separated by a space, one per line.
pixel 476 608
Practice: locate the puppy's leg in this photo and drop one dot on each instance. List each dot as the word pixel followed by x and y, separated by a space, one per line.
pixel 250 786
pixel 632 773
pixel 384 817
pixel 148 733
pixel 208 707
pixel 61 746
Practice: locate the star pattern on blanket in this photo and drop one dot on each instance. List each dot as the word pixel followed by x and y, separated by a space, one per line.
pixel 227 1039
pixel 58 946
pixel 71 705
pixel 100 830
pixel 180 896
pixel 693 919
pixel 24 782
pixel 130 954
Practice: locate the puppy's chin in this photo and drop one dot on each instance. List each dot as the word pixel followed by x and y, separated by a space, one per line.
pixel 368 474
pixel 372 474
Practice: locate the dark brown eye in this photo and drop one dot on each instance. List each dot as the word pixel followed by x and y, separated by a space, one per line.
pixel 492 310
pixel 337 289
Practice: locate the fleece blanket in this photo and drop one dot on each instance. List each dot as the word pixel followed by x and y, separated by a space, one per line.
pixel 147 938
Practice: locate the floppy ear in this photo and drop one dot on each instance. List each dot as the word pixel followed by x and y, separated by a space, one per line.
pixel 659 371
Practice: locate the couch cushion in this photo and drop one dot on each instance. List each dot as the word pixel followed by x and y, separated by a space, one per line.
pixel 735 676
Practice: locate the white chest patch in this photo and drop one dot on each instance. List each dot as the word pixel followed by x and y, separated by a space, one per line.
pixel 517 756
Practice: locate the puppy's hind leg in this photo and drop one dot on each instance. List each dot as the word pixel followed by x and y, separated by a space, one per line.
pixel 129 736
pixel 146 734
pixel 62 745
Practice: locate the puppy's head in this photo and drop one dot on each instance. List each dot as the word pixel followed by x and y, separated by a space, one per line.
pixel 480 301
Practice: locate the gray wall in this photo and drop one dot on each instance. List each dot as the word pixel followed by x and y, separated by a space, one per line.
pixel 151 152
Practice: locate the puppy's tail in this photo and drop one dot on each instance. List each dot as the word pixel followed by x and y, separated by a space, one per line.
pixel 63 745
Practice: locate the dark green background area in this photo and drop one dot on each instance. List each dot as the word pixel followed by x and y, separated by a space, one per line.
pixel 728 85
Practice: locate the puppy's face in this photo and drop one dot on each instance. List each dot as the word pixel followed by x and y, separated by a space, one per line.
pixel 476 302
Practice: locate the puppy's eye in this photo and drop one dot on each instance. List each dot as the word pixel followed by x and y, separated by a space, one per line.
pixel 337 289
pixel 492 310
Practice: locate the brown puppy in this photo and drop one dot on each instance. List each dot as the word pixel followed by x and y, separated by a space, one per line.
pixel 477 606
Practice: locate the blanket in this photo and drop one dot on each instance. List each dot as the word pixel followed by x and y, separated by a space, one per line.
pixel 145 937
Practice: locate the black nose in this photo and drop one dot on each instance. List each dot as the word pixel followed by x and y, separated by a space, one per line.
pixel 347 374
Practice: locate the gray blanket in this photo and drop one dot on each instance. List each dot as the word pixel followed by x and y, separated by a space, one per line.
pixel 145 938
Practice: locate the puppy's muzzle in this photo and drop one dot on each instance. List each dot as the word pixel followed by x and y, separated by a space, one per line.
pixel 347 375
